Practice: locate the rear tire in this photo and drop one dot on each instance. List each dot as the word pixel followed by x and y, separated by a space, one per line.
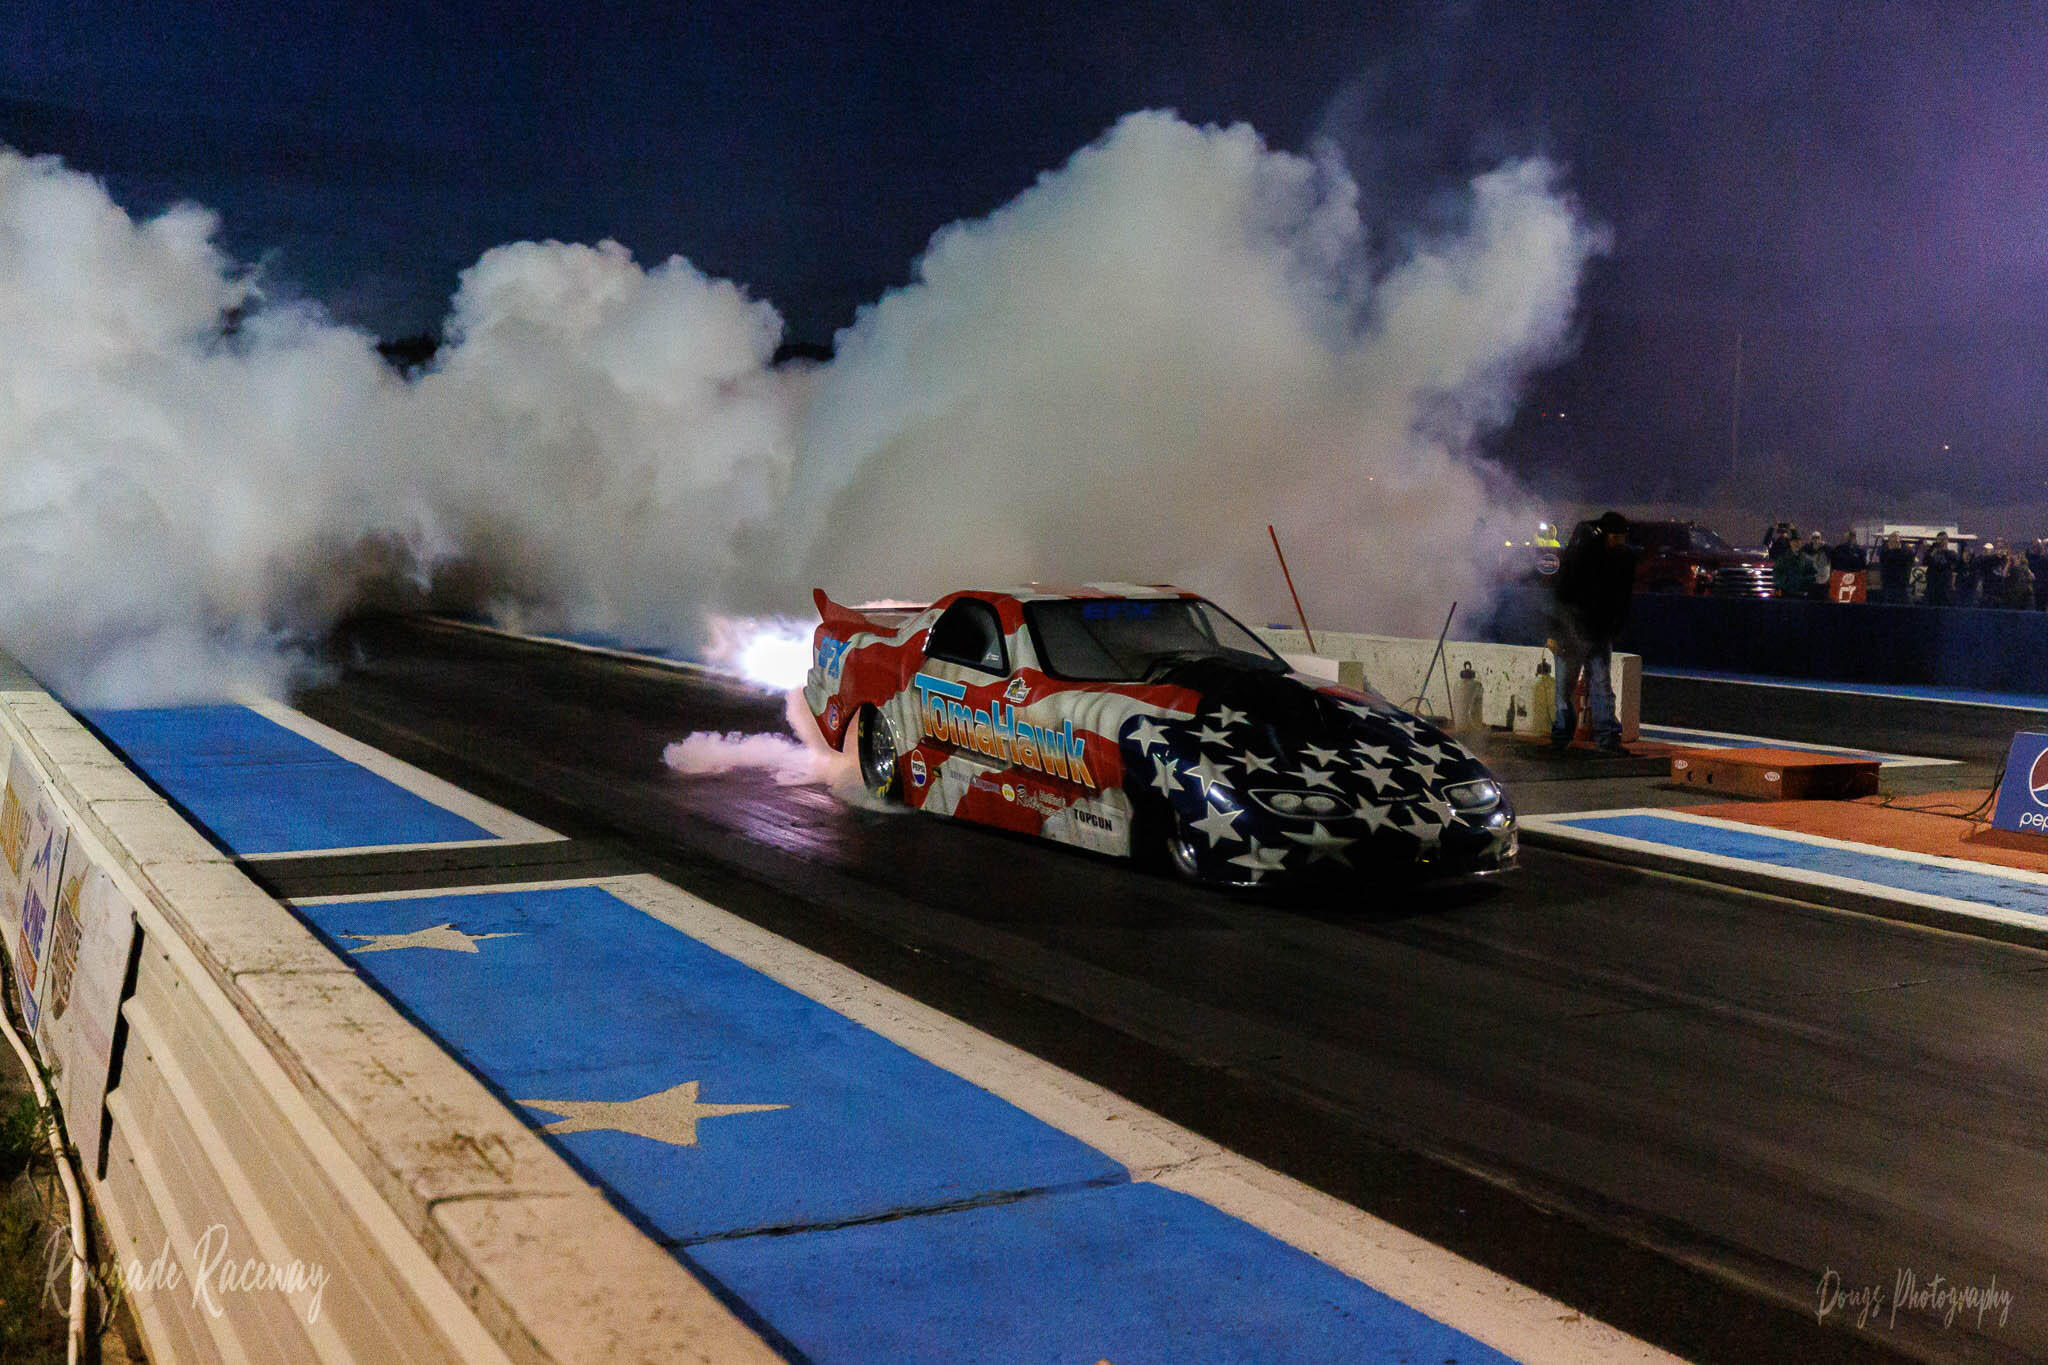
pixel 875 747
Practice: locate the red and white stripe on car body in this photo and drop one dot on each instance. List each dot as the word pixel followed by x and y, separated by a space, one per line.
pixel 1020 751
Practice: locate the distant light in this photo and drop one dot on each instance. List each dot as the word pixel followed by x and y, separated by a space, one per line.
pixel 1509 543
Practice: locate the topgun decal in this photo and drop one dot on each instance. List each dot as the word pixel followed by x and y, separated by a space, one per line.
pixel 997 732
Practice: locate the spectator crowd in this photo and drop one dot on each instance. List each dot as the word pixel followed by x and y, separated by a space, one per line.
pixel 1940 573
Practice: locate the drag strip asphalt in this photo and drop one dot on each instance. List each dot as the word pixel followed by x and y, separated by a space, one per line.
pixel 1674 1105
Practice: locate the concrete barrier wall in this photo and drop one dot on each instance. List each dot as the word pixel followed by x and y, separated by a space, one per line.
pixel 1989 648
pixel 1394 667
pixel 267 1105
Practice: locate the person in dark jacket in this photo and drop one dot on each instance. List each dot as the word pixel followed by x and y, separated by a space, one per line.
pixel 2019 583
pixel 1595 578
pixel 1942 565
pixel 2037 565
pixel 1985 570
pixel 1847 556
pixel 1895 564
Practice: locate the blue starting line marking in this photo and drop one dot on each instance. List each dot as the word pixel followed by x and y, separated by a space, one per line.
pixel 863 1202
pixel 260 788
pixel 2006 894
pixel 1954 696
pixel 1714 739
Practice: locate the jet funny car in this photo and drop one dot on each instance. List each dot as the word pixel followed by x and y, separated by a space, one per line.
pixel 1145 721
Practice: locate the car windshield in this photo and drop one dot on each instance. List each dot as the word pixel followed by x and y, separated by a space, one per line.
pixel 1123 639
pixel 1703 539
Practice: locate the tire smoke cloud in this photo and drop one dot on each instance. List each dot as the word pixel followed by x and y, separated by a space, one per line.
pixel 1125 373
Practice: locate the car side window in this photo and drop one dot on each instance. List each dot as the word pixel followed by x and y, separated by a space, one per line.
pixel 968 633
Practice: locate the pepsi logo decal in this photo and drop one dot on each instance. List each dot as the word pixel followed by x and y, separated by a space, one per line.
pixel 2037 779
pixel 832 713
pixel 917 771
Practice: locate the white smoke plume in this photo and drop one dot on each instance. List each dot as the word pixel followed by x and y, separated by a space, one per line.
pixel 1125 373
pixel 1135 366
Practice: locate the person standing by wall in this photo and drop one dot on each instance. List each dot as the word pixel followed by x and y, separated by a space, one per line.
pixel 1942 564
pixel 1895 564
pixel 1818 566
pixel 1595 579
pixel 2019 583
pixel 2037 565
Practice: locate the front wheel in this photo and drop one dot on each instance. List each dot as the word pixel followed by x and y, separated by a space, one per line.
pixel 875 742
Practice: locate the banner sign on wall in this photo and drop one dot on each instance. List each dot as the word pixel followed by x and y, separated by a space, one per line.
pixel 32 839
pixel 91 938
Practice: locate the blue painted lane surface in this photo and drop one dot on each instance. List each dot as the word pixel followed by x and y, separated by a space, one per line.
pixel 1131 1274
pixel 260 788
pixel 1872 866
pixel 2019 701
pixel 866 1205
pixel 590 999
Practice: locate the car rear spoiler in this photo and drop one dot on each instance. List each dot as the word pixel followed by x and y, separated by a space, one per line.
pixel 843 620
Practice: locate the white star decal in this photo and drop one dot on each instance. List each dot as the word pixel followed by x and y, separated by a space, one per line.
pixel 1315 777
pixel 1430 753
pixel 1205 773
pixel 1210 735
pixel 1218 824
pixel 666 1116
pixel 1372 753
pixel 444 936
pixel 1146 733
pixel 1226 716
pixel 1326 757
pixel 1322 844
pixel 1261 860
pixel 1255 763
pixel 1376 818
pixel 1361 711
pixel 1167 778
pixel 1381 778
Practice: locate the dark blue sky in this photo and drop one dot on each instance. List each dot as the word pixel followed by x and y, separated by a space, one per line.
pixel 1860 190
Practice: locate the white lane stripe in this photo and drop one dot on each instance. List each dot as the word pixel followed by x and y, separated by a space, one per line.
pixel 1672 734
pixel 1556 825
pixel 2016 703
pixel 1510 1317
pixel 609 651
pixel 502 823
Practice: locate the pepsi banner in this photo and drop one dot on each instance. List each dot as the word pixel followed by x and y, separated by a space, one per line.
pixel 2023 795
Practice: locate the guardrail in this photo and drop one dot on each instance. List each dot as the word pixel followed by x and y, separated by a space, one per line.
pixel 289 1169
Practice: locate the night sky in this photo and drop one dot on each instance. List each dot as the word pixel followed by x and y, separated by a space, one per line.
pixel 1860 191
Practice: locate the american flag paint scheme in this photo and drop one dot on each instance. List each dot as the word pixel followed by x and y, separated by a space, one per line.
pixel 1137 720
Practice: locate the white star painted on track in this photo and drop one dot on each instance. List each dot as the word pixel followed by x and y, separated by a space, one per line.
pixel 1315 777
pixel 1147 733
pixel 1326 757
pixel 1205 773
pixel 1167 777
pixel 1218 824
pixel 443 936
pixel 1372 753
pixel 1261 860
pixel 1226 716
pixel 1256 763
pixel 1322 844
pixel 1381 778
pixel 666 1116
pixel 1210 735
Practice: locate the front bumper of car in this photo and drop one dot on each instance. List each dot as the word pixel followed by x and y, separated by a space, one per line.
pixel 1473 844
